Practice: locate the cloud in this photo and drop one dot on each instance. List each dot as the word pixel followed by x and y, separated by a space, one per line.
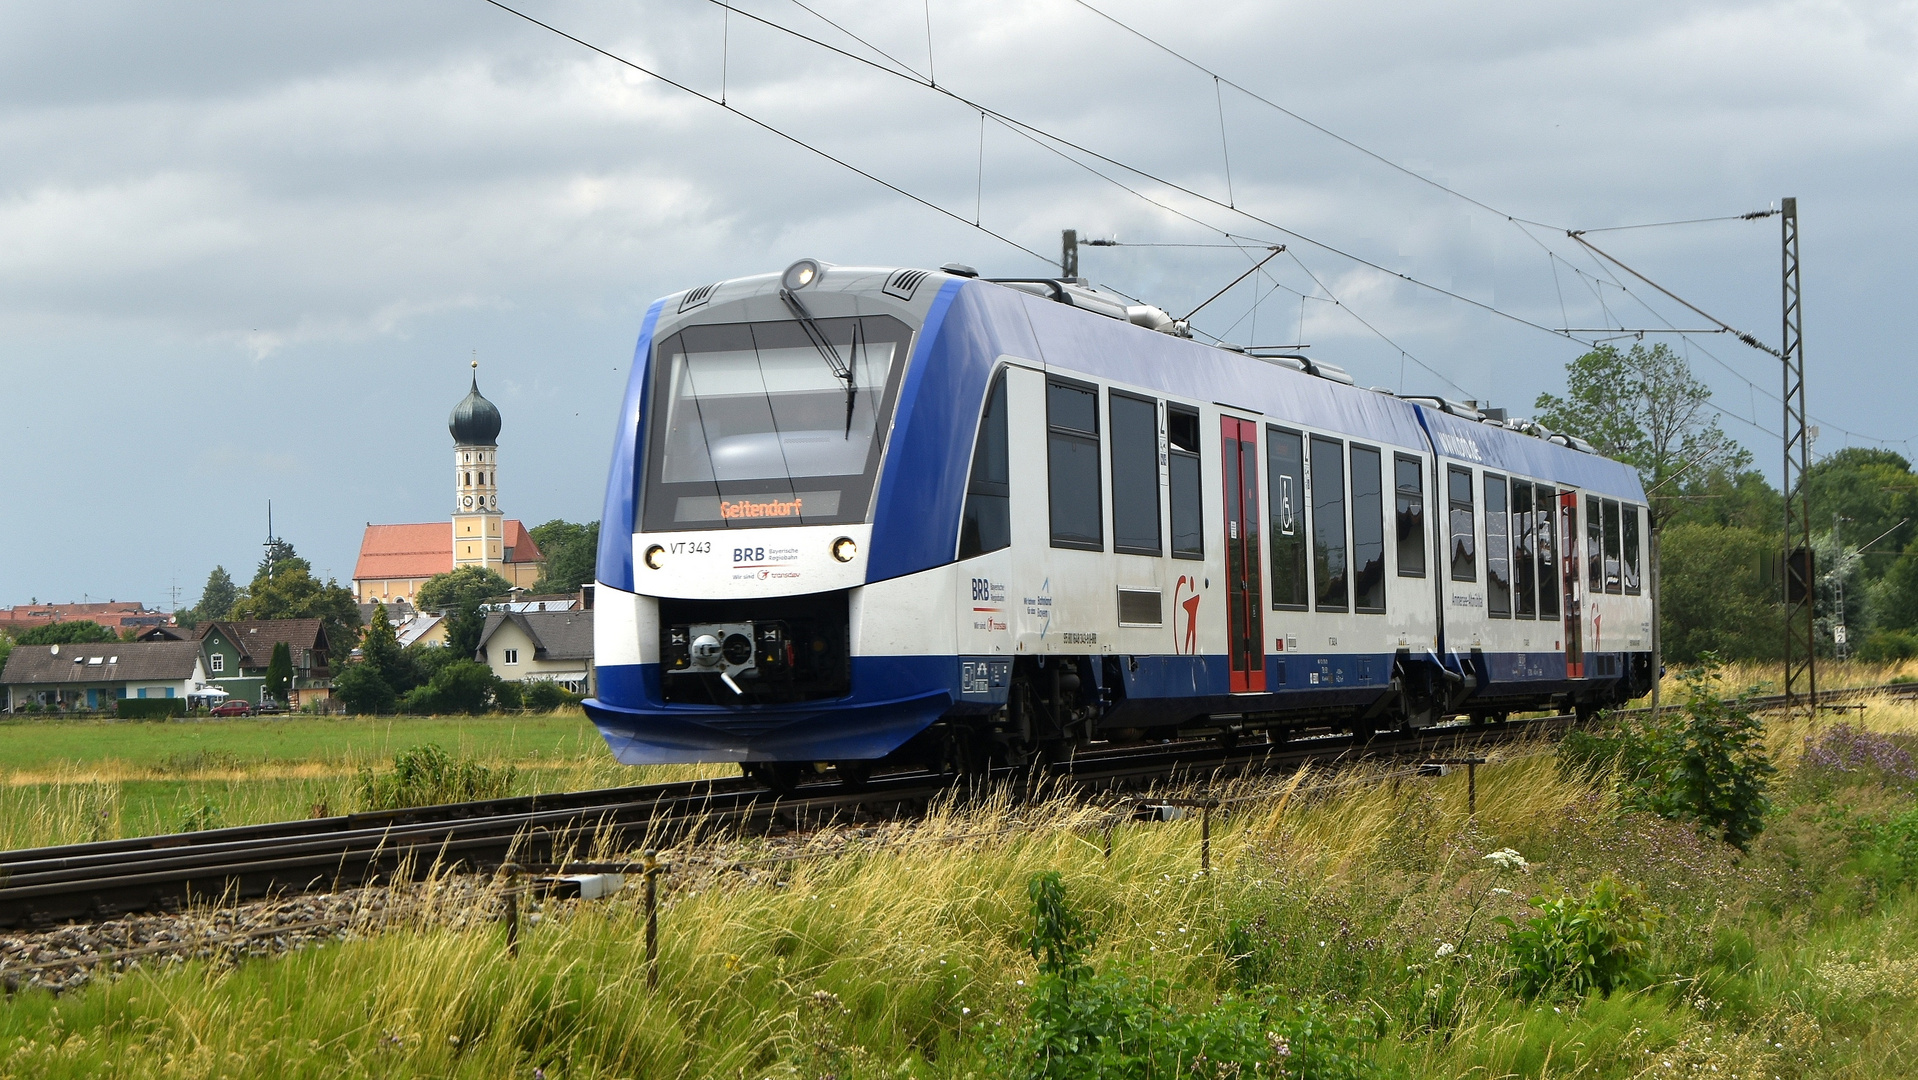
pixel 291 226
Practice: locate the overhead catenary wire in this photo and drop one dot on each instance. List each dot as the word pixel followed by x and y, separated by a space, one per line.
pixel 763 125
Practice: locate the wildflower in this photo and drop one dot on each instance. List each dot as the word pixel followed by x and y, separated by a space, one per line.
pixel 1445 949
pixel 1501 892
pixel 1507 859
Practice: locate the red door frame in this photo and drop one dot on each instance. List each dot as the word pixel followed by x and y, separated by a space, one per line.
pixel 1571 570
pixel 1244 585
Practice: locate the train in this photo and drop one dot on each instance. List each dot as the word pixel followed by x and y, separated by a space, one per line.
pixel 864 516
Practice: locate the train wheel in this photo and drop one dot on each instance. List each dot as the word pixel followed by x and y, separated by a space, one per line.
pixel 853 775
pixel 779 777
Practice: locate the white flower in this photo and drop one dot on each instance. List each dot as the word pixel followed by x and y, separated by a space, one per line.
pixel 1501 892
pixel 1507 859
pixel 1445 949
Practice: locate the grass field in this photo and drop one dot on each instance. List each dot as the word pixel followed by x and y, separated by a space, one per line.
pixel 65 781
pixel 1362 912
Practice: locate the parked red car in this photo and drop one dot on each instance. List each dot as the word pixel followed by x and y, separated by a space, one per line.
pixel 233 707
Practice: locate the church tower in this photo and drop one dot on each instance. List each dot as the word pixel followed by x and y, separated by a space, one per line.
pixel 478 528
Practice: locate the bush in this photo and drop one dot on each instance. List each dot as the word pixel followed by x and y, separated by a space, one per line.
pixel 508 695
pixel 362 691
pixel 1705 763
pixel 1887 851
pixel 1576 946
pixel 148 708
pixel 545 696
pixel 77 632
pixel 1084 1024
pixel 427 776
pixel 461 686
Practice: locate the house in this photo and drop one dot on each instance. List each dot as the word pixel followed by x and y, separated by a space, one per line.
pixel 422 629
pixel 93 676
pixel 541 646
pixel 116 615
pixel 237 652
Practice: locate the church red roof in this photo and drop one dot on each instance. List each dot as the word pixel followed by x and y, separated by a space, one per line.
pixel 425 549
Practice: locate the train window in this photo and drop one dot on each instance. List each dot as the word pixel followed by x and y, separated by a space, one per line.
pixel 1182 480
pixel 1135 474
pixel 988 519
pixel 1285 499
pixel 1594 545
pixel 1631 551
pixel 1547 547
pixel 1612 538
pixel 1459 496
pixel 1524 552
pixel 1368 531
pixel 1411 516
pixel 1328 524
pixel 1498 550
pixel 1072 466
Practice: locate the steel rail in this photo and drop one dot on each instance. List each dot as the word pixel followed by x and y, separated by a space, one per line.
pixel 107 878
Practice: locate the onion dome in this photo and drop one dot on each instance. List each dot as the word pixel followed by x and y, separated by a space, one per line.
pixel 475 420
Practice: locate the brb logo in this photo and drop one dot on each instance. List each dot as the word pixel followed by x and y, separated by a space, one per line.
pixel 743 556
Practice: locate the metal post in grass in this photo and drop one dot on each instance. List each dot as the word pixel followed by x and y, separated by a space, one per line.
pixel 652 919
pixel 511 872
pixel 1471 779
pixel 1205 839
pixel 1108 837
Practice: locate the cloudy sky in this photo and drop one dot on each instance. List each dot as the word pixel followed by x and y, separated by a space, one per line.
pixel 247 250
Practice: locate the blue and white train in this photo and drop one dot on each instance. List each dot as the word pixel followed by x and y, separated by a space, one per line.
pixel 859 514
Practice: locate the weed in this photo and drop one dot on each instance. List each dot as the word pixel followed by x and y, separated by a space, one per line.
pixel 1705 764
pixel 1576 946
pixel 427 775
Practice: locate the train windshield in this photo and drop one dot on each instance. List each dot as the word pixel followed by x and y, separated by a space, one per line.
pixel 759 424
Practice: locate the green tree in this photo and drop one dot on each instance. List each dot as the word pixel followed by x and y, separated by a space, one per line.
pixel 79 631
pixel 216 600
pixel 1713 598
pixel 381 649
pixel 6 647
pixel 279 671
pixel 288 590
pixel 358 686
pixel 466 585
pixel 572 555
pixel 460 686
pixel 1875 494
pixel 1645 408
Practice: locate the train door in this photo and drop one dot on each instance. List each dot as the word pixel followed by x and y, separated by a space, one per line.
pixel 1568 563
pixel 1245 636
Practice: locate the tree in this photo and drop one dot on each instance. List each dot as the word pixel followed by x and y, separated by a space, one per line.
pixel 1874 492
pixel 288 590
pixel 1713 598
pixel 277 552
pixel 216 600
pixel 572 555
pixel 1645 408
pixel 77 632
pixel 6 648
pixel 279 671
pixel 466 585
pixel 461 686
pixel 358 686
pixel 381 649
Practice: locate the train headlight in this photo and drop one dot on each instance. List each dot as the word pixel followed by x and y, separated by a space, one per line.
pixel 801 274
pixel 655 556
pixel 844 549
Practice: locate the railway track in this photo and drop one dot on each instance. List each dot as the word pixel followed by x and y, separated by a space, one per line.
pixel 40 886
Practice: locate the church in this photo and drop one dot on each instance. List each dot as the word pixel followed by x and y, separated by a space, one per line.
pixel 395 560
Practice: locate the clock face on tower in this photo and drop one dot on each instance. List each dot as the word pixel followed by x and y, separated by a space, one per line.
pixel 467 502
